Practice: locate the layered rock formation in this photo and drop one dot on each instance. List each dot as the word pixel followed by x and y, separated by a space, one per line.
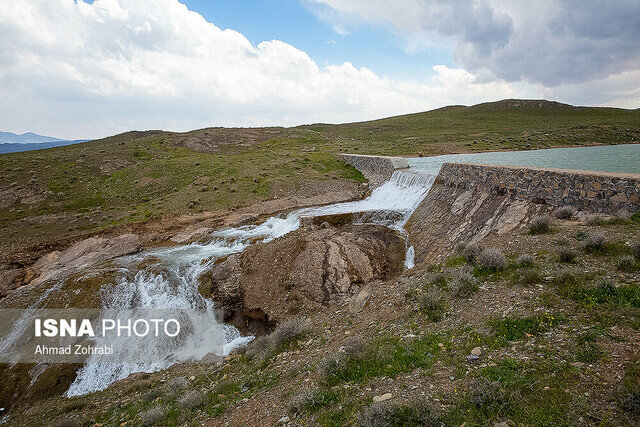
pixel 59 264
pixel 469 201
pixel 453 215
pixel 86 253
pixel 302 271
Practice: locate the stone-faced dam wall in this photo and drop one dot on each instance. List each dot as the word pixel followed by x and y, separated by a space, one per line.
pixel 376 169
pixel 467 202
pixel 603 192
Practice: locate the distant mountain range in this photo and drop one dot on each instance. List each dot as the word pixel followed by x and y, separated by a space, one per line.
pixel 11 142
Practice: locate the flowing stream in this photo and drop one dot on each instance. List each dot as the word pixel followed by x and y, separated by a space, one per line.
pixel 168 278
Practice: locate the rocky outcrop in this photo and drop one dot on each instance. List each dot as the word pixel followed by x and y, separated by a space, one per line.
pixel 303 271
pixel 13 278
pixel 449 216
pixel 84 254
pixel 362 217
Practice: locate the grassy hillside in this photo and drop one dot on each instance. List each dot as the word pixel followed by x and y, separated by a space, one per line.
pixel 503 125
pixel 65 191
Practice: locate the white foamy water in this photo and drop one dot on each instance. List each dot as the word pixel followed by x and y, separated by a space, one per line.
pixel 168 278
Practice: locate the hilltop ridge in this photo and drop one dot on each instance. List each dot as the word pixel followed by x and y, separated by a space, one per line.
pixel 137 176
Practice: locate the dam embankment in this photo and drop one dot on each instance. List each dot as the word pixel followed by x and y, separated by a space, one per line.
pixel 598 192
pixel 468 201
pixel 377 169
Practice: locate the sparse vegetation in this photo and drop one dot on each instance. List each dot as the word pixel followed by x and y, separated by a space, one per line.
pixel 526 393
pixel 463 284
pixel 566 212
pixel 594 243
pixel 517 328
pixel 282 336
pixel 491 259
pixel 604 292
pixel 628 264
pixel 313 400
pixel 432 304
pixel 524 260
pixel 528 277
pixel 382 357
pixel 540 225
pixel 566 255
pixel 414 413
pixel 605 221
pixel 471 252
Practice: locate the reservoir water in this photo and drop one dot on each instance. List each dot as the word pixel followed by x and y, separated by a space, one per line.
pixel 608 158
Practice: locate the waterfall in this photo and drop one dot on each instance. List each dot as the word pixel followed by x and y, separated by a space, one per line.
pixel 167 278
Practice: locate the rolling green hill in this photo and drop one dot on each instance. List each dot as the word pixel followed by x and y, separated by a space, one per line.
pixel 67 191
pixel 502 125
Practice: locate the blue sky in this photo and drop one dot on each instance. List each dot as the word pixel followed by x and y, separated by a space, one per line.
pixel 82 69
pixel 294 22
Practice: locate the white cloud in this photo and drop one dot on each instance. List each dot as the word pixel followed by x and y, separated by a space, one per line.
pixel 617 90
pixel 76 69
pixel 546 42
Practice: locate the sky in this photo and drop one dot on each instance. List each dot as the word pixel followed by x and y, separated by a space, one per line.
pixel 88 69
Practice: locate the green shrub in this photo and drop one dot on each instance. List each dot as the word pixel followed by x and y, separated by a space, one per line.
pixel 589 353
pixel 581 235
pixel 151 416
pixel 630 401
pixel 439 280
pixel 628 390
pixel 566 281
pixel 488 397
pixel 288 331
pixel 191 399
